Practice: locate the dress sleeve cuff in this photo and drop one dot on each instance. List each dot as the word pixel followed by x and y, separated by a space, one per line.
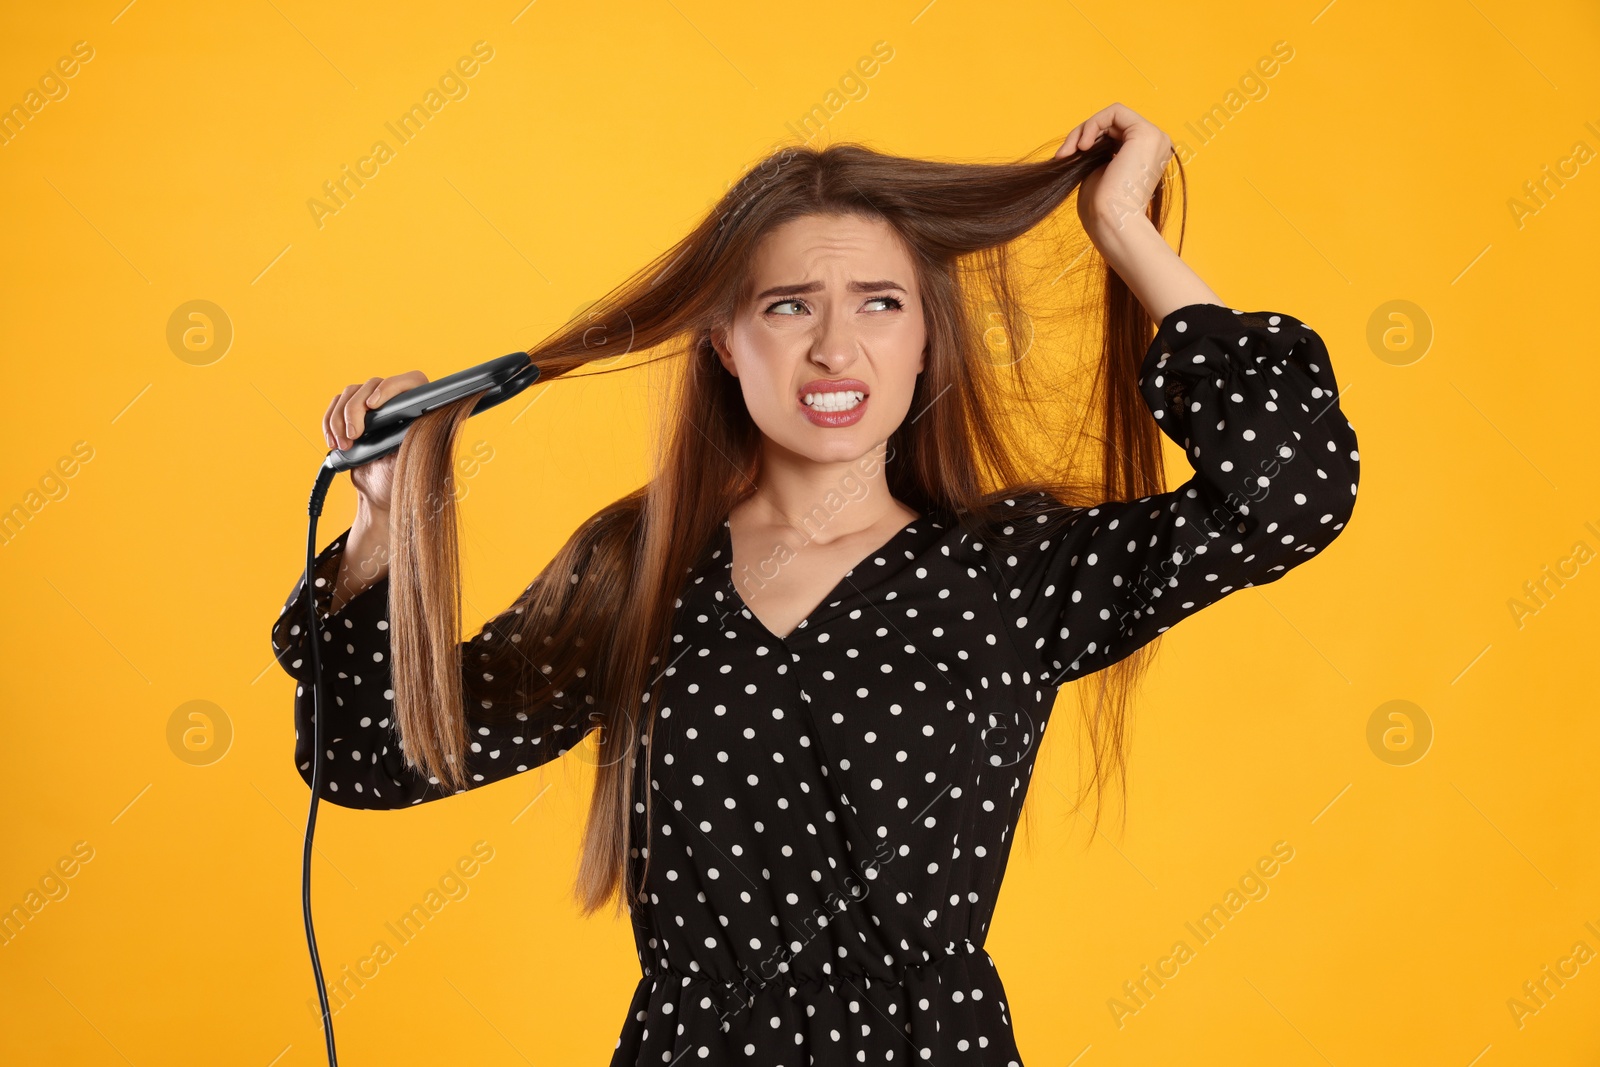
pixel 289 631
pixel 1202 345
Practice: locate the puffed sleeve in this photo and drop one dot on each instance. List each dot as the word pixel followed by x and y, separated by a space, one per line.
pixel 366 768
pixel 1252 399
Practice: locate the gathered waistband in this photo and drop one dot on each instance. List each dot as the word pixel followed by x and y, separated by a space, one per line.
pixel 892 975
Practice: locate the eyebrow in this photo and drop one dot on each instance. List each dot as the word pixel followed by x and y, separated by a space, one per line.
pixel 812 287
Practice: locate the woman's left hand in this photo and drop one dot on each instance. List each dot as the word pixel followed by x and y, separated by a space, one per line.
pixel 1123 187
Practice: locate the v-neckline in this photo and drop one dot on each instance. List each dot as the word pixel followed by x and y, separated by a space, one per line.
pixel 828 598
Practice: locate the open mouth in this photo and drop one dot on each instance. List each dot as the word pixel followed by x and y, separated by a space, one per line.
pixel 837 400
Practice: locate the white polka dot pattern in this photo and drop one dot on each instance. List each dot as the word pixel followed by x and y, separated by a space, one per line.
pixel 832 811
pixel 366 768
pixel 1253 401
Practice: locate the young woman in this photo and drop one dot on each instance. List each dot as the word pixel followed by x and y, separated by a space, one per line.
pixel 816 653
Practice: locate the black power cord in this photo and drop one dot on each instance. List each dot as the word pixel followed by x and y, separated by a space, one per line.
pixel 319 493
pixel 494 382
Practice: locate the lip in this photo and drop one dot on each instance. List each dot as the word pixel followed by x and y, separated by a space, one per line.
pixel 833 385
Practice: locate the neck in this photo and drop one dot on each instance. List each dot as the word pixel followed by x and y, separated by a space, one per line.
pixel 824 500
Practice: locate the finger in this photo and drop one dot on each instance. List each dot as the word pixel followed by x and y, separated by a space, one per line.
pixel 339 434
pixel 1098 122
pixel 327 421
pixel 1117 120
pixel 1069 143
pixel 390 388
pixel 335 420
pixel 1130 123
pixel 355 408
pixel 1119 116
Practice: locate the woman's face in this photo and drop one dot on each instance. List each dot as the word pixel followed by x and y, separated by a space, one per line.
pixel 828 349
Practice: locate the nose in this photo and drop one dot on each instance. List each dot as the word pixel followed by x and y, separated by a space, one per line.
pixel 835 345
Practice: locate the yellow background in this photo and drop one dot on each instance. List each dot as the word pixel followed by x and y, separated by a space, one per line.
pixel 1379 166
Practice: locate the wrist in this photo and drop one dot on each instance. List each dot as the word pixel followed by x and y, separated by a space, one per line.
pixel 1118 227
pixel 1151 269
pixel 370 514
pixel 366 552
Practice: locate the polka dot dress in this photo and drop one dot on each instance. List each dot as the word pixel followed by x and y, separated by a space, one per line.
pixel 833 809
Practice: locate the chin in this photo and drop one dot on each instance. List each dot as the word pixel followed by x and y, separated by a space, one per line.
pixel 831 444
pixel 836 446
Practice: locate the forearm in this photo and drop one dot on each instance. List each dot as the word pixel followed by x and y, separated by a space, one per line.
pixel 1140 255
pixel 366 555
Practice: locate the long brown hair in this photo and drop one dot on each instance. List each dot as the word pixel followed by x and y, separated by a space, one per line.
pixel 591 630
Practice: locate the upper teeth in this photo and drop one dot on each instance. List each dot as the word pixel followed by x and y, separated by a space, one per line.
pixel 840 400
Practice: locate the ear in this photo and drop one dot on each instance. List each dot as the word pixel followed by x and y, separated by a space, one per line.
pixel 719 341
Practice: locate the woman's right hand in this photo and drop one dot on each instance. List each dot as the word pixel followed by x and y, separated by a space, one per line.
pixel 346 419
